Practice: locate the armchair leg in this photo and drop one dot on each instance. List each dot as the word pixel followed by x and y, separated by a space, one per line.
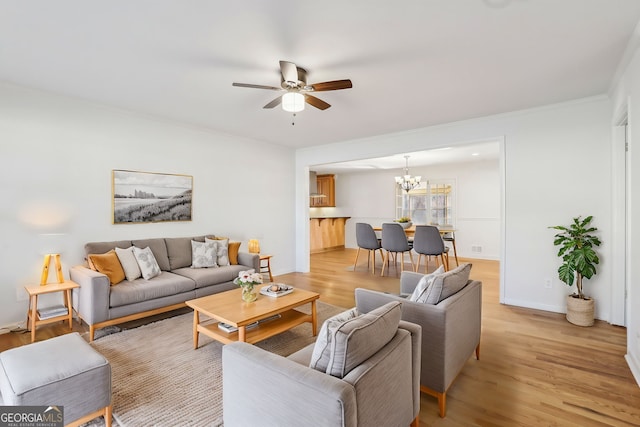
pixel 415 422
pixel 442 399
pixel 478 352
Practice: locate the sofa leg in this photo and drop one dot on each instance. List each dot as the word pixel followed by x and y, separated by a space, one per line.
pixel 415 422
pixel 92 332
pixel 478 352
pixel 442 399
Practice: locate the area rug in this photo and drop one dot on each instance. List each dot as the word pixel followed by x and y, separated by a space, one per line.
pixel 158 379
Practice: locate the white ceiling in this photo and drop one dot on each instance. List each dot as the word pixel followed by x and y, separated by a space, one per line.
pixel 413 63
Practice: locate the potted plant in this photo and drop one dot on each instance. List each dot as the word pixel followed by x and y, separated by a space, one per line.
pixel 404 221
pixel 579 260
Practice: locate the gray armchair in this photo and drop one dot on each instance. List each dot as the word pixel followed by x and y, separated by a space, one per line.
pixel 450 330
pixel 265 389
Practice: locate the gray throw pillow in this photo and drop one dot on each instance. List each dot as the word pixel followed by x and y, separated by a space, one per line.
pixel 147 262
pixel 322 348
pixel 420 293
pixel 447 284
pixel 358 339
pixel 203 254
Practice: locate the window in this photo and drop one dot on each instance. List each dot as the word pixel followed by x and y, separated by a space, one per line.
pixel 432 202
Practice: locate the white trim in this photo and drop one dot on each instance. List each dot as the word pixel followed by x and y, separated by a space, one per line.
pixel 618 219
pixel 627 56
pixel 503 225
pixel 634 366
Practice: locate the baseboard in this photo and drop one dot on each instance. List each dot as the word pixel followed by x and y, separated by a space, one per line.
pixel 536 306
pixel 633 366
pixel 11 326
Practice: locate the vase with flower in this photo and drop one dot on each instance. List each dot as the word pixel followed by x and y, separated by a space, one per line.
pixel 247 280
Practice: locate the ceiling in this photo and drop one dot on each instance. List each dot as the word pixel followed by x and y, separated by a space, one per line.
pixel 483 151
pixel 413 64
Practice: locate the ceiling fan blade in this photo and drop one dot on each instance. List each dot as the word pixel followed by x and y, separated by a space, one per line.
pixel 274 103
pixel 289 71
pixel 256 86
pixel 316 102
pixel 333 85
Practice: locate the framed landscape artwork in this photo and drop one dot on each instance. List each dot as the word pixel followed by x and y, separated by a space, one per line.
pixel 150 197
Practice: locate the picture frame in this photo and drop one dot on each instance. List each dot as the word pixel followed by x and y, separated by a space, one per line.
pixel 150 197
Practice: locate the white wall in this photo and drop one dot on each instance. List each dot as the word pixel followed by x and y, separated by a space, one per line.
pixel 56 157
pixel 557 165
pixel 626 97
pixel 370 197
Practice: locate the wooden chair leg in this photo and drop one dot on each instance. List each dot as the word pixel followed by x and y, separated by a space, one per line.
pixel 356 261
pixel 385 260
pixel 411 258
pixel 418 264
pixel 443 263
pixel 455 252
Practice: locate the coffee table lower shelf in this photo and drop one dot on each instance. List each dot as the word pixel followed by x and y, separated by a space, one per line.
pixel 289 319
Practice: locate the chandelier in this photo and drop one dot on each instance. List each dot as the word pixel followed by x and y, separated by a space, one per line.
pixel 407 182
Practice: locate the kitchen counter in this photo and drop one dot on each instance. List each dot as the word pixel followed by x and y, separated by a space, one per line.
pixel 326 233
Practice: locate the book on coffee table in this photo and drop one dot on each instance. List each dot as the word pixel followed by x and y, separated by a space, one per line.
pixel 276 290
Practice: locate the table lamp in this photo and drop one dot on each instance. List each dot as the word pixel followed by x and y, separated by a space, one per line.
pixel 254 246
pixel 45 269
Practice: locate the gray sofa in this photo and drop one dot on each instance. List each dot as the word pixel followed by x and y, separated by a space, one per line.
pixel 99 304
pixel 381 388
pixel 450 330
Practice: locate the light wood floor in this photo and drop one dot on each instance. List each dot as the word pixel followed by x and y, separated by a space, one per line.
pixel 536 369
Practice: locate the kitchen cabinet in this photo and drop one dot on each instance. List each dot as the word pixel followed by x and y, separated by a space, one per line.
pixel 326 186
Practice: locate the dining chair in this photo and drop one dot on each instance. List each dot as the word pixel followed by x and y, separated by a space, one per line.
pixel 451 238
pixel 427 241
pixel 367 239
pixel 394 240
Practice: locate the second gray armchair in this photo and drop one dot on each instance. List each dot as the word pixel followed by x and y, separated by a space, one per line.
pixel 450 330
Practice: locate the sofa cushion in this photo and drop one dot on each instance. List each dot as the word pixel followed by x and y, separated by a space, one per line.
pixel 104 247
pixel 129 263
pixel 446 284
pixel 139 290
pixel 234 248
pixel 203 254
pixel 358 339
pixel 147 262
pixel 420 293
pixel 179 251
pixel 322 348
pixel 222 252
pixel 109 265
pixel 211 276
pixel 159 249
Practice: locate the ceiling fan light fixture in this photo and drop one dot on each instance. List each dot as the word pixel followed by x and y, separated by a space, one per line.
pixel 293 102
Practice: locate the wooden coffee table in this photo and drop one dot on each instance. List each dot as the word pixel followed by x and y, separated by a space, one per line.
pixel 228 307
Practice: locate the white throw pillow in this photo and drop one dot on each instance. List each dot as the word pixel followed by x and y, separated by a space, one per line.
pixel 222 254
pixel 147 262
pixel 420 293
pixel 203 254
pixel 129 263
pixel 322 349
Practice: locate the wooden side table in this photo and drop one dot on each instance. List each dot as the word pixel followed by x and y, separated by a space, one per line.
pixel 32 314
pixel 266 268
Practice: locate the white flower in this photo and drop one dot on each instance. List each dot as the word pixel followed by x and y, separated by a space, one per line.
pixel 248 278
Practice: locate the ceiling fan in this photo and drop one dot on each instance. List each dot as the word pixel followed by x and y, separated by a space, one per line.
pixel 293 81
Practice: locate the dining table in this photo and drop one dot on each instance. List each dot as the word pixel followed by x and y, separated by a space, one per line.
pixel 410 231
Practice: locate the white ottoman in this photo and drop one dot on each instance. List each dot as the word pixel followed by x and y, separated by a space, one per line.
pixel 62 371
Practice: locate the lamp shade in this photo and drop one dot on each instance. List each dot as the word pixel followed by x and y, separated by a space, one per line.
pixel 293 102
pixel 254 246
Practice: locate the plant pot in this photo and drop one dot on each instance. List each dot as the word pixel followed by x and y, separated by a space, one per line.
pixel 406 225
pixel 580 311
